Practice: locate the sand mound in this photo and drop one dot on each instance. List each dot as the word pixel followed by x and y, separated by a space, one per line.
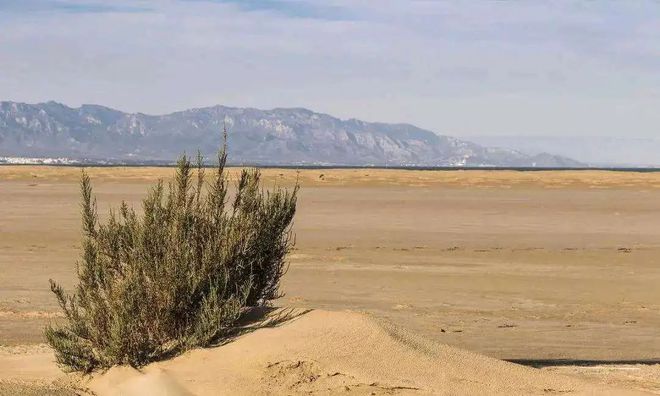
pixel 336 352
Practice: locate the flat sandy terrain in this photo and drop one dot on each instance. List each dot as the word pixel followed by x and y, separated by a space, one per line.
pixel 551 269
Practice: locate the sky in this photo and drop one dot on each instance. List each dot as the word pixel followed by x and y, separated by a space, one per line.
pixel 462 68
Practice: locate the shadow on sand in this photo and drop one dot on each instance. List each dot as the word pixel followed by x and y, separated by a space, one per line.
pixel 251 319
pixel 540 363
pixel 261 317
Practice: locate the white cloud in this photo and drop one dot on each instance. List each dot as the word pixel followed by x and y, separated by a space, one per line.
pixel 456 67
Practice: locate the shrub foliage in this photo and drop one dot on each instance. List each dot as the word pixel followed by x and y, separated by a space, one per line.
pixel 176 276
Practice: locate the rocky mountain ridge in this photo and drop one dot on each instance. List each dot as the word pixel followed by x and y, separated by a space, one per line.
pixel 293 136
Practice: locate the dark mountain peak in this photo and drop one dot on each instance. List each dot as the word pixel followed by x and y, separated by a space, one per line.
pixel 95 107
pixel 299 110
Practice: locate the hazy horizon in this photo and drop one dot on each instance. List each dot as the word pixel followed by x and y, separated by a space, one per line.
pixel 573 68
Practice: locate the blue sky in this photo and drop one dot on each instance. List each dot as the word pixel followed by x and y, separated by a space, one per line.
pixel 570 68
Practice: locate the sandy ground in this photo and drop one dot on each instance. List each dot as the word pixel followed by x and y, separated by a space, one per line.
pixel 315 352
pixel 557 270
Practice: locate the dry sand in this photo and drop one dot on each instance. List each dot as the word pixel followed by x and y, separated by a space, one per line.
pixel 339 352
pixel 320 352
pixel 551 269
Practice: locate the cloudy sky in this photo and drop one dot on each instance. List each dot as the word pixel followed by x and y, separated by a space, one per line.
pixel 470 67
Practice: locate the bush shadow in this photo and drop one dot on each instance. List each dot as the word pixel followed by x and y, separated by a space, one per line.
pixel 255 318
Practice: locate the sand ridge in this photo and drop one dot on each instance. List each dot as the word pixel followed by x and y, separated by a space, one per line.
pixel 324 352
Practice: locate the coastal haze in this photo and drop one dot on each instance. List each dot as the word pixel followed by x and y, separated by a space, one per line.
pixel 598 151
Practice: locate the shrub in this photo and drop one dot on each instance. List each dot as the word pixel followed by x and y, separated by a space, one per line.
pixel 178 275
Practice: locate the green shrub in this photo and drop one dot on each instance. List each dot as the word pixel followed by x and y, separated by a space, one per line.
pixel 177 276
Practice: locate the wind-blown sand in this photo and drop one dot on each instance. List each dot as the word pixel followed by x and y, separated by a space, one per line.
pixel 323 352
pixel 557 270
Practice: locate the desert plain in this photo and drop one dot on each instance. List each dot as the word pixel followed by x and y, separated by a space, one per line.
pixel 556 272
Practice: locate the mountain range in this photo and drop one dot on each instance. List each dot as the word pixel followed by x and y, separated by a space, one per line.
pixel 293 136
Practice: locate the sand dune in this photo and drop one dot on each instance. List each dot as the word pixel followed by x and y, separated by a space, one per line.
pixel 324 352
pixel 316 352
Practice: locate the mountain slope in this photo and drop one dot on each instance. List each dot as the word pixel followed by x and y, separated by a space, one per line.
pixel 623 151
pixel 268 137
